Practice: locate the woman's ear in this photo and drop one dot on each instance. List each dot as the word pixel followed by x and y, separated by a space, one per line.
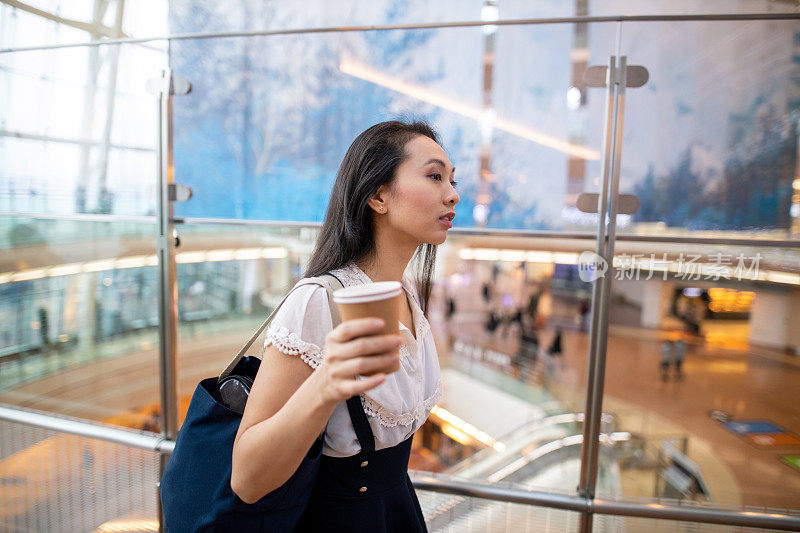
pixel 378 200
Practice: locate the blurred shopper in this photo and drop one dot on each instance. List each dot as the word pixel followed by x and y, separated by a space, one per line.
pixel 450 309
pixel 528 345
pixel 584 309
pixel 492 321
pixel 516 318
pixel 680 352
pixel 394 194
pixel 555 348
pixel 533 304
pixel 486 292
pixel 528 351
pixel 666 358
pixel 508 320
pixel 44 327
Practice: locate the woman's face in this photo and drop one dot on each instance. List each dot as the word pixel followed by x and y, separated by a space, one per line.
pixel 423 192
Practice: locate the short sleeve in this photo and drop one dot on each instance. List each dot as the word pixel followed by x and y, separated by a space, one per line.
pixel 301 324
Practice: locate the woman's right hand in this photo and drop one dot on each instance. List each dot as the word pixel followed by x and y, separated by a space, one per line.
pixel 355 347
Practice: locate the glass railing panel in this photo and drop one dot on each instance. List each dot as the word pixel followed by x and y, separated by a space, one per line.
pixel 81 311
pixel 499 407
pixel 506 300
pixel 273 130
pixel 544 142
pixel 230 278
pixel 700 348
pixel 78 276
pixel 700 371
pixel 710 143
pixel 91 146
pixel 58 482
pixel 493 127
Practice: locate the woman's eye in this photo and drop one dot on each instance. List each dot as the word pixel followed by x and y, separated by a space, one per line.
pixel 438 177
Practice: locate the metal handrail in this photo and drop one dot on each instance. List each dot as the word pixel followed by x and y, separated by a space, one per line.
pixel 487 491
pixel 81 217
pixel 296 224
pixel 437 483
pixel 740 241
pixel 418 26
pixel 141 440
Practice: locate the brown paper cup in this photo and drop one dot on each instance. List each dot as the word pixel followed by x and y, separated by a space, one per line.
pixel 381 300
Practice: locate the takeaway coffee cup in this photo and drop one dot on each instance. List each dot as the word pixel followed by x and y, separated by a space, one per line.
pixel 381 299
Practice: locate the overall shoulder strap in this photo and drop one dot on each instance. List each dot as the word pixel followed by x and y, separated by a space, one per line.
pixel 361 424
pixel 326 280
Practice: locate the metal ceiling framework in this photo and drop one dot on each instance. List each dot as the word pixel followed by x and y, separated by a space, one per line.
pixel 96 27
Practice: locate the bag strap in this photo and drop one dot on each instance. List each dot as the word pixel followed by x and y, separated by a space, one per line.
pixel 326 280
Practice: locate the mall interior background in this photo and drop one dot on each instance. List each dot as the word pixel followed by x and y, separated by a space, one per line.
pixel 708 265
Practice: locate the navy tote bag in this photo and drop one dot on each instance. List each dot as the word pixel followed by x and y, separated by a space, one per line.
pixel 196 492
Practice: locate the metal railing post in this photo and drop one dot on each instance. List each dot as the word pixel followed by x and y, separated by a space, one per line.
pixel 166 87
pixel 167 284
pixel 590 432
pixel 616 80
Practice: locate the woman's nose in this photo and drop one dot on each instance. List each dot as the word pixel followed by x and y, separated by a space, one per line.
pixel 453 198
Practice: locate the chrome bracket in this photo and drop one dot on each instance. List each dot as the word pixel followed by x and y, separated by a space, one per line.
pixel 172 85
pixel 589 202
pixel 178 192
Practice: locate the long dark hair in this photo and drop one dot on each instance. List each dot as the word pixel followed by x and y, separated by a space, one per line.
pixel 347 233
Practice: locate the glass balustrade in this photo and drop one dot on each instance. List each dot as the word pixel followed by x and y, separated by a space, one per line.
pixel 698 396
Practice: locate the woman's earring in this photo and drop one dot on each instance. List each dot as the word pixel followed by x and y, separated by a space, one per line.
pixel 381 208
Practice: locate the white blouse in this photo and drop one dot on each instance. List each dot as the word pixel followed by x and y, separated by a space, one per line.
pixel 397 407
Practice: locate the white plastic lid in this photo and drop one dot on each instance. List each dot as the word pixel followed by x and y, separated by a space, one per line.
pixel 368 292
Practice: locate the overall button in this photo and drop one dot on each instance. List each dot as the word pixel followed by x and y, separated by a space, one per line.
pixel 365 463
pixel 362 489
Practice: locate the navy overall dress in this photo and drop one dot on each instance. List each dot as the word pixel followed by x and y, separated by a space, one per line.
pixel 369 492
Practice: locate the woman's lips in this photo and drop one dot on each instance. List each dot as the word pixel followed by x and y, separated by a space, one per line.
pixel 446 222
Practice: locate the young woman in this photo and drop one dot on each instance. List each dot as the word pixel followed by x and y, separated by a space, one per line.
pixel 393 199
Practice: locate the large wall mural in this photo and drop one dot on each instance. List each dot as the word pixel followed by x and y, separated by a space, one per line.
pixel 709 143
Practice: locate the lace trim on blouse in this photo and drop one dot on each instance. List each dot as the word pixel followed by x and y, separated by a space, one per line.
pixel 291 344
pixel 390 419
